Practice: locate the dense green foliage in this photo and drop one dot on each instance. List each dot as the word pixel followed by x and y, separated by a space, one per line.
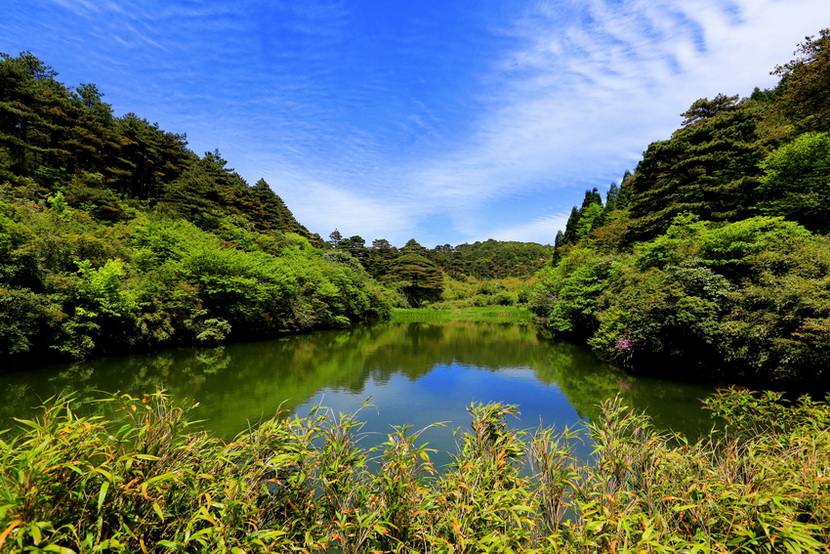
pixel 796 181
pixel 712 254
pixel 468 275
pixel 709 168
pixel 416 275
pixel 486 260
pixel 492 259
pixel 115 236
pixel 141 477
pixel 805 85
pixel 55 138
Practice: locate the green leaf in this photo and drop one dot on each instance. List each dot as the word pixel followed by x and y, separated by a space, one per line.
pixel 59 549
pixel 109 476
pixel 102 494
pixel 37 536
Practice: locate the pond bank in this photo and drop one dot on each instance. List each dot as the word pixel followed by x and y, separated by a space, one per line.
pixel 517 314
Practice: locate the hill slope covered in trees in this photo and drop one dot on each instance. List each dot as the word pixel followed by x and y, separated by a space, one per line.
pixel 115 236
pixel 712 258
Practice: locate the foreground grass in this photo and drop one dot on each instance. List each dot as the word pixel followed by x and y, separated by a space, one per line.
pixel 484 313
pixel 145 480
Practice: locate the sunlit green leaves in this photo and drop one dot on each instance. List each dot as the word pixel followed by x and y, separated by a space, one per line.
pixel 797 181
pixel 760 482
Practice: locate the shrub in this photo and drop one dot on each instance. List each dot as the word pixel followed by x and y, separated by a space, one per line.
pixel 140 477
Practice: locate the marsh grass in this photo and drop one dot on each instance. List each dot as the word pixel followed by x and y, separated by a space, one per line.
pixel 146 479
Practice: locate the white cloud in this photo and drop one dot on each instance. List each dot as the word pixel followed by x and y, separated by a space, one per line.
pixel 321 207
pixel 586 88
pixel 574 92
pixel 580 102
pixel 541 230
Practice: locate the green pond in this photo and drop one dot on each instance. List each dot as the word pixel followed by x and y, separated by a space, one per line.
pixel 411 373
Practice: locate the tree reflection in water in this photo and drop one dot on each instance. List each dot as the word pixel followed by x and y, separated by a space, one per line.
pixel 415 372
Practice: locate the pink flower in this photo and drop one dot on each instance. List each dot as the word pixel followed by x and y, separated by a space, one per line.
pixel 625 345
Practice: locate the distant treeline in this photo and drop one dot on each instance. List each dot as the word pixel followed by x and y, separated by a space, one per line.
pixel 470 274
pixel 712 258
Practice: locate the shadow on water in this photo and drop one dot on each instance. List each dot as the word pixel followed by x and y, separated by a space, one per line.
pixel 416 373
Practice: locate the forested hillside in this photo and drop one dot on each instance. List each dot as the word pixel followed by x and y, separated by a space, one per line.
pixel 478 274
pixel 115 236
pixel 712 257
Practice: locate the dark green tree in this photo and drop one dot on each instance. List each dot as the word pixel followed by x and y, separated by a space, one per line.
pixel 703 108
pixel 569 235
pixel 33 108
pixel 583 219
pixel 273 212
pixel 354 245
pixel 206 192
pixel 378 258
pixel 617 196
pixel 418 277
pixel 710 169
pixel 335 238
pixel 592 197
pixel 413 246
pixel 151 157
pixel 804 89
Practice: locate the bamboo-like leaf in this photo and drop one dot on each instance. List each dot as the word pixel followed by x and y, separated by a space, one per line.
pixel 37 536
pixel 4 535
pixel 58 549
pixel 102 494
pixel 107 474
pixel 157 509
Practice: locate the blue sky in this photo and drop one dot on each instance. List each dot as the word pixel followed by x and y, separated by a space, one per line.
pixel 447 121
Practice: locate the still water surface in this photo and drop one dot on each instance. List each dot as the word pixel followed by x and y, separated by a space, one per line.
pixel 413 373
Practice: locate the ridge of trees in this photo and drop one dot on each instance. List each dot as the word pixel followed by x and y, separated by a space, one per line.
pixel 57 138
pixel 473 274
pixel 710 257
pixel 115 236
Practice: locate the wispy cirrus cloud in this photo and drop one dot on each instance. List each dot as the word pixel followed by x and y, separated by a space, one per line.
pixel 352 211
pixel 435 121
pixel 592 83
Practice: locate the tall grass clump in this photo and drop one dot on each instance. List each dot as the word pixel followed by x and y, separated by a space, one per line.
pixel 144 478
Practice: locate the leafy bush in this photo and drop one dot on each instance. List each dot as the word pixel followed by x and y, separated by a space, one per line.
pixel 568 293
pixel 25 319
pixel 156 279
pixel 796 181
pixel 749 300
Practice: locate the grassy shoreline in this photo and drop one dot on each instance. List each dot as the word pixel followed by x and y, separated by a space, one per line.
pixel 484 313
